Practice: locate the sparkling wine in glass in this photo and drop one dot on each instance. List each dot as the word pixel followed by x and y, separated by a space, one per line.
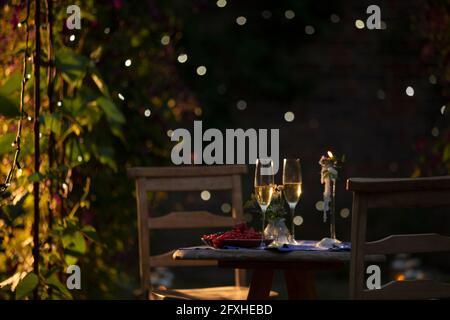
pixel 292 188
pixel 264 188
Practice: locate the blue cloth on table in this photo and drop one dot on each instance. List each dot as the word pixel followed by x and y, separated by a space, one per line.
pixel 311 245
pixel 305 245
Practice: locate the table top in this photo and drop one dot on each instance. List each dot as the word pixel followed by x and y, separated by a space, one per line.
pixel 207 253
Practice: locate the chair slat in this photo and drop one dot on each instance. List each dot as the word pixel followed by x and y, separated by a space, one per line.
pixel 189 183
pixel 398 184
pixel 409 199
pixel 166 260
pixel 409 243
pixel 409 289
pixel 186 171
pixel 190 219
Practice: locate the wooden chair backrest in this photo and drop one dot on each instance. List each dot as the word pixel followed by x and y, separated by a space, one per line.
pixel 396 193
pixel 183 178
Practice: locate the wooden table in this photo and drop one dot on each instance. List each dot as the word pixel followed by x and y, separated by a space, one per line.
pixel 297 266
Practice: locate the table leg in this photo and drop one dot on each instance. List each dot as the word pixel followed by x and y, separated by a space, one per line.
pixel 299 284
pixel 260 284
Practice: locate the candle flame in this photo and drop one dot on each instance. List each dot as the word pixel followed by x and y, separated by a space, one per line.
pixel 330 154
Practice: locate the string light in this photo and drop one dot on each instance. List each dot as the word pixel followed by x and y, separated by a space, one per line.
pixel 127 63
pixel 59 103
pixel 147 113
pixel 443 109
pixel 106 30
pixel 72 37
pixel 17 141
pixel 121 97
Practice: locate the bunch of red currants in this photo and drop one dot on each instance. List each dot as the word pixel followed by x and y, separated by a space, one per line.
pixel 240 232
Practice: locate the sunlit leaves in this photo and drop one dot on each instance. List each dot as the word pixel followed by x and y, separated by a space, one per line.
pixel 113 114
pixel 26 285
pixel 52 122
pixel 55 283
pixel 9 103
pixel 72 66
pixel 5 142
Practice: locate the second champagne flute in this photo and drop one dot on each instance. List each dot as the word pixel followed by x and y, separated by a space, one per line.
pixel 292 188
pixel 264 188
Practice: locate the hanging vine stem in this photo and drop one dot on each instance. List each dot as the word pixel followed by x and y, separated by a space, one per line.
pixel 37 106
pixel 16 144
pixel 50 96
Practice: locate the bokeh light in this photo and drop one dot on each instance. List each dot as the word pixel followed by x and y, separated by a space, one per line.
pixel 298 220
pixel 205 195
pixel 182 58
pixel 309 30
pixel 225 207
pixel 335 18
pixel 409 91
pixel 241 20
pixel 165 40
pixel 201 70
pixel 289 14
pixel 221 3
pixel 241 105
pixel 359 24
pixel 289 116
pixel 345 212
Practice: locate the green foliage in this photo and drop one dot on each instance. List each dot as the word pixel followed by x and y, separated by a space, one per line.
pixel 95 137
pixel 26 285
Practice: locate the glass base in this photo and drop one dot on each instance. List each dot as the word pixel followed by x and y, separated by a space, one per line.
pixel 328 242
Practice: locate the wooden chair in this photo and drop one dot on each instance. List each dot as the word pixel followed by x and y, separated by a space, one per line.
pixel 396 193
pixel 188 178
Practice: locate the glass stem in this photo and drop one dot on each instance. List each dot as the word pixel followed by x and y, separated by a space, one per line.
pixel 292 207
pixel 263 225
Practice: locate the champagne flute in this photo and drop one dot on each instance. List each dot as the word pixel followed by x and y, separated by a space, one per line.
pixel 292 188
pixel 264 188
